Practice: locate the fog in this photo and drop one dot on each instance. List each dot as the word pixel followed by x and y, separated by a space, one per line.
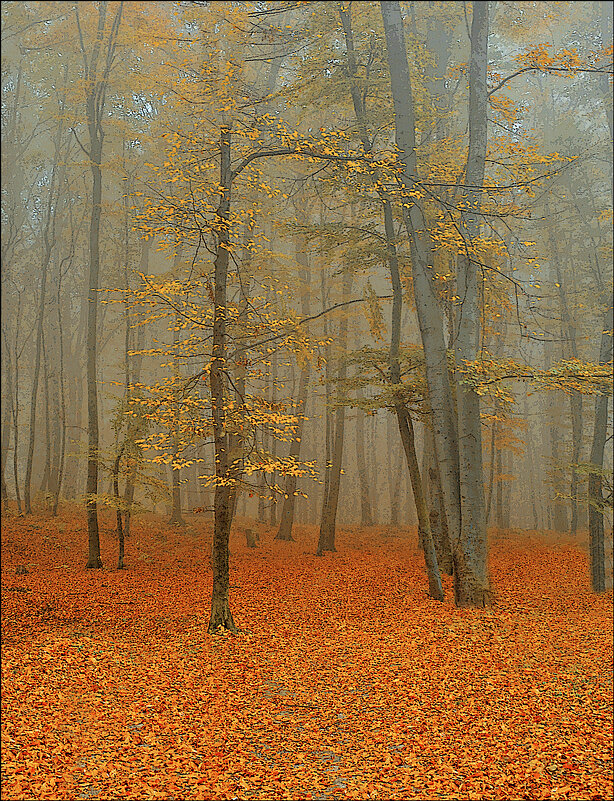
pixel 236 242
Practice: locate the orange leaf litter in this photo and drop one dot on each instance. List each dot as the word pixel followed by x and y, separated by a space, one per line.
pixel 345 682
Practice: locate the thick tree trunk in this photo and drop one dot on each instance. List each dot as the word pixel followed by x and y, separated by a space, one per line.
pixel 221 616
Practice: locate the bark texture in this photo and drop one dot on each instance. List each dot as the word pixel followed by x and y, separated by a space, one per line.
pixel 221 616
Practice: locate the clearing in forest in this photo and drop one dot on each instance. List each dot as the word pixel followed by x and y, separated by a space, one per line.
pixel 346 681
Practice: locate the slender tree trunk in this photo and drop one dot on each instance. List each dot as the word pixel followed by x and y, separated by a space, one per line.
pixel 137 361
pixel 176 517
pixel 395 499
pixel 559 510
pixel 221 616
pixel 506 506
pixel 12 363
pixel 499 491
pixel 328 523
pixel 531 465
pixel 287 513
pixel 429 315
pixel 366 517
pixel 48 243
pixel 273 499
pixel 437 517
pixel 95 94
pixel 6 429
pixel 45 481
pixel 62 393
pixel 118 509
pixel 404 420
pixel 491 467
pixel 600 580
pixel 461 480
pixel 91 487
pixel 403 417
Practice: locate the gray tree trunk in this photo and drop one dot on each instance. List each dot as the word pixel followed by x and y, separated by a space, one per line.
pixel 600 580
pixel 328 523
pixel 467 539
pixel 366 516
pixel 96 81
pixel 289 505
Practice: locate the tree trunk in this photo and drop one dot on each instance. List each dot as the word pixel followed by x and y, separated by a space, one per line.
pixel 273 440
pixel 429 315
pixel 62 394
pixel 91 487
pixel 46 479
pixel 472 585
pixel 6 429
pixel 48 244
pixel 137 361
pixel 559 510
pixel 437 517
pixel 531 468
pixel 95 93
pixel 118 509
pixel 221 616
pixel 499 492
pixel 366 517
pixel 600 580
pixel 406 428
pixel 287 513
pixel 12 364
pixel 328 524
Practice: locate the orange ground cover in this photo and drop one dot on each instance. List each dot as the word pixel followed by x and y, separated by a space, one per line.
pixel 346 682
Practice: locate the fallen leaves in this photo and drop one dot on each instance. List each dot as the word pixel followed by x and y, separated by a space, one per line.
pixel 346 681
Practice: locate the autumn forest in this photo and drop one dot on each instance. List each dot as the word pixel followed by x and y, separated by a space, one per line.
pixel 306 424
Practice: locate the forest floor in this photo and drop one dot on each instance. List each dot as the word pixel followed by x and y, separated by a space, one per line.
pixel 346 681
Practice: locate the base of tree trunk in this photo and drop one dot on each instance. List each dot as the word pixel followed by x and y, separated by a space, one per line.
pixel 470 595
pixel 176 521
pixel 221 617
pixel 284 533
pixel 94 563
